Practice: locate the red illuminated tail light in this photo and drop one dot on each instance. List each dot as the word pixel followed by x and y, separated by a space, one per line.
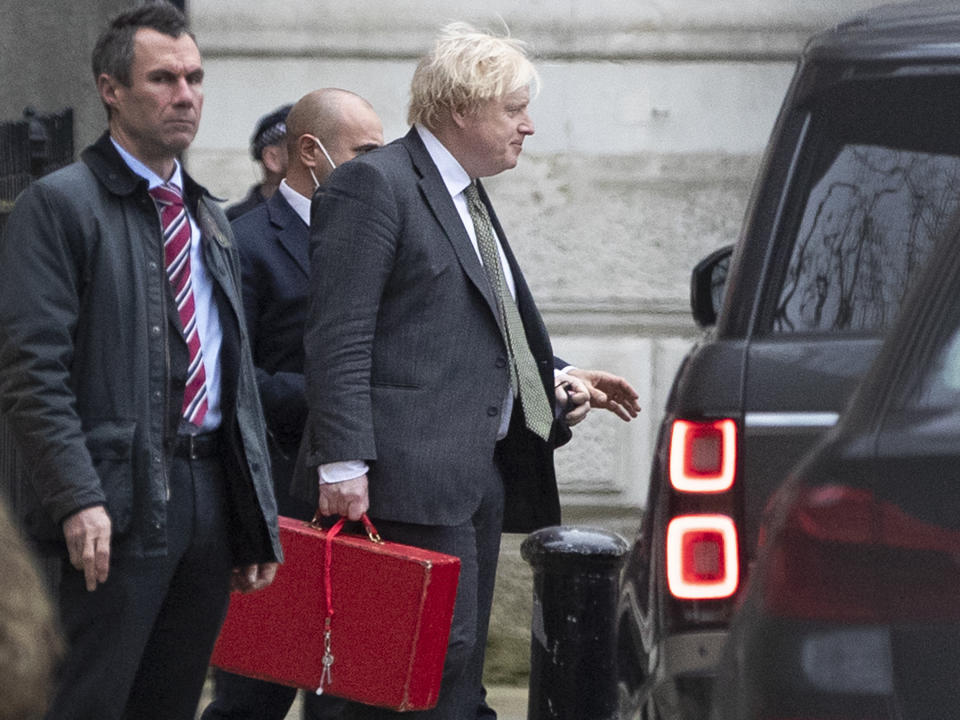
pixel 702 557
pixel 703 455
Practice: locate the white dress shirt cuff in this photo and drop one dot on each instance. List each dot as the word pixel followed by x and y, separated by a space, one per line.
pixel 343 470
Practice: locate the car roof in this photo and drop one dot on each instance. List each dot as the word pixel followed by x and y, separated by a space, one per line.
pixel 925 31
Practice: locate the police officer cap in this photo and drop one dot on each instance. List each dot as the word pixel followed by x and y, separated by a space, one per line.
pixel 271 129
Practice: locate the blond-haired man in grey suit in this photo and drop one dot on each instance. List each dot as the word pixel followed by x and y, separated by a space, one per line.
pixel 431 380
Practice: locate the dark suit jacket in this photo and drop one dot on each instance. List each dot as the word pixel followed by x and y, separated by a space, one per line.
pixel 273 244
pixel 252 199
pixel 406 365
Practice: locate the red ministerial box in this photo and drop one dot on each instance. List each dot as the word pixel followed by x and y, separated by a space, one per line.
pixel 392 608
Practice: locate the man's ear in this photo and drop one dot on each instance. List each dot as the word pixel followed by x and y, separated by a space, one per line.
pixel 306 151
pixel 107 86
pixel 459 117
pixel 273 157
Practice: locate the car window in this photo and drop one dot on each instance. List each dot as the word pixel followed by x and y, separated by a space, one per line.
pixel 882 182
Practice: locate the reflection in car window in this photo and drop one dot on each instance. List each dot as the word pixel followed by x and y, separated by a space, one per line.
pixel 940 386
pixel 868 223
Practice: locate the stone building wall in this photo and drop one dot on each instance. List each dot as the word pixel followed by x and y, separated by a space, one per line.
pixel 45 60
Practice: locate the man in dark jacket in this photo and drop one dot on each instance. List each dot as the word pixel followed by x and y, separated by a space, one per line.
pixel 127 379
pixel 326 127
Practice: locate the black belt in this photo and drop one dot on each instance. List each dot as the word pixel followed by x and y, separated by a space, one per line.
pixel 194 447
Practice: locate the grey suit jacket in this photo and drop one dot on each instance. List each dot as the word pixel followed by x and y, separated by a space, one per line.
pixel 406 366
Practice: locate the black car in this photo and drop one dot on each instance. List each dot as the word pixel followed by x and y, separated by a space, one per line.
pixel 853 609
pixel 860 177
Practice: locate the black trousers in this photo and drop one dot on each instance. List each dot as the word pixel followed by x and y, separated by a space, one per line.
pixel 139 645
pixel 477 544
pixel 243 698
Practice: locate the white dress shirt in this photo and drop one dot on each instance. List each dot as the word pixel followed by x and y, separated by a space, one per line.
pixel 299 203
pixel 208 321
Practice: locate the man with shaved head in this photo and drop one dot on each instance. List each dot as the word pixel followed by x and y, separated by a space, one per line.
pixel 325 128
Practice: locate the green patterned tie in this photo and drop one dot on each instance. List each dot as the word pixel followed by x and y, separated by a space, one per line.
pixel 524 377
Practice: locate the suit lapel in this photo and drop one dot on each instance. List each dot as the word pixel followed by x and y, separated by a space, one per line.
pixel 289 229
pixel 438 198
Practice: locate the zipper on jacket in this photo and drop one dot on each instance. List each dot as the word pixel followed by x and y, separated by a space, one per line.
pixel 166 361
pixel 166 401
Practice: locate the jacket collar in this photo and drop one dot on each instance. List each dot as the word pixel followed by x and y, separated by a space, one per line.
pixel 110 169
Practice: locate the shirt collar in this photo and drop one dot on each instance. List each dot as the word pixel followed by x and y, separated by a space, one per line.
pixel 153 180
pixel 451 171
pixel 299 203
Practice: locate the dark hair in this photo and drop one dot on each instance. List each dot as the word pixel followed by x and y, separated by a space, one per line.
pixel 113 53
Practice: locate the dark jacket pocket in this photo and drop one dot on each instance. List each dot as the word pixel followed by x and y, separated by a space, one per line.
pixel 110 443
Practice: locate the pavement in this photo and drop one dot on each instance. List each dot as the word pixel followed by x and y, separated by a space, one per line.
pixel 509 702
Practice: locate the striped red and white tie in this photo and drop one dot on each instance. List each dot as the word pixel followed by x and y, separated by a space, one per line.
pixel 176 250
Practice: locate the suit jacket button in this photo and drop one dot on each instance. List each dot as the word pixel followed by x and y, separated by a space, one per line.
pixel 501 362
pixel 492 411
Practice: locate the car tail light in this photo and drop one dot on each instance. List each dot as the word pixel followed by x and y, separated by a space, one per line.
pixel 846 553
pixel 702 557
pixel 703 455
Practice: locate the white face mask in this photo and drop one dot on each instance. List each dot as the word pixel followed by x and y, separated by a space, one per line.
pixel 333 165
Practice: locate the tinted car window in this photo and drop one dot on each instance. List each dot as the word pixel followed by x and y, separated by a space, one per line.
pixel 885 182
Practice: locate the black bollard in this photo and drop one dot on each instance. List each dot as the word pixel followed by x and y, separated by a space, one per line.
pixel 573 632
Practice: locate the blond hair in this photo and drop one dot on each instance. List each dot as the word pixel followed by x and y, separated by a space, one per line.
pixel 465 69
